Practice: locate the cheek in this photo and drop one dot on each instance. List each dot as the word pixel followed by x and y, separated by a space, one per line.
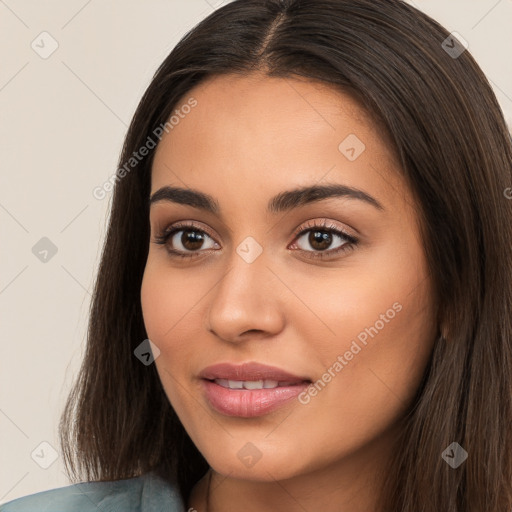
pixel 170 302
pixel 381 322
pixel 157 304
pixel 170 319
pixel 374 298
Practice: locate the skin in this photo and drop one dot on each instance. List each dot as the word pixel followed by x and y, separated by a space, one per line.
pixel 248 139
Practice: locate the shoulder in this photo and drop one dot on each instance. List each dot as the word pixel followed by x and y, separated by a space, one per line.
pixel 146 493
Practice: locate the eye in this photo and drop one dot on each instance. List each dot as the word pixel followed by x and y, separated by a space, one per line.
pixel 321 236
pixel 185 240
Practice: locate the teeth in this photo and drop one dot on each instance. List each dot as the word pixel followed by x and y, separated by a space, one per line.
pixel 235 384
pixel 249 384
pixel 253 384
pixel 222 382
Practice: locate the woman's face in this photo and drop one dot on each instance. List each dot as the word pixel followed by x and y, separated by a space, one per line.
pixel 270 277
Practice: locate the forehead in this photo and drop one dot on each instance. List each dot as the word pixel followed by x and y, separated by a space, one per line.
pixel 238 94
pixel 258 131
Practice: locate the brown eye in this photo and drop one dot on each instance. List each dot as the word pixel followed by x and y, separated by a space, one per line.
pixel 323 240
pixel 190 240
pixel 185 241
pixel 320 240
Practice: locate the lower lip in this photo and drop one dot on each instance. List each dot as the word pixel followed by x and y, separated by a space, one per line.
pixel 249 403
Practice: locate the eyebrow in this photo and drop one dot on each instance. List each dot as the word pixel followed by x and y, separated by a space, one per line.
pixel 282 202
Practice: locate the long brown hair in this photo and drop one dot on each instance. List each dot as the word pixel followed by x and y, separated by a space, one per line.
pixel 445 125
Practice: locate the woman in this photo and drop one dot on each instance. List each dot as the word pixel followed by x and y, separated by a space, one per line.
pixel 304 299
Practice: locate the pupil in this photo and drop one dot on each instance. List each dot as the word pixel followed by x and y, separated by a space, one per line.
pixel 191 239
pixel 320 237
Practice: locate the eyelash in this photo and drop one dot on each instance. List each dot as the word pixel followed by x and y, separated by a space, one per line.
pixel 162 238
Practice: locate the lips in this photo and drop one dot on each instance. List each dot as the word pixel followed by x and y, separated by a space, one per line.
pixel 250 372
pixel 251 389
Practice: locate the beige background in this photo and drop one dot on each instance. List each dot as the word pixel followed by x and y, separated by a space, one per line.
pixel 63 120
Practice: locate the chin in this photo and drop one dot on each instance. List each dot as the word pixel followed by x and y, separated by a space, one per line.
pixel 245 458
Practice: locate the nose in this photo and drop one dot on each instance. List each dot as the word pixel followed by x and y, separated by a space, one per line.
pixel 245 303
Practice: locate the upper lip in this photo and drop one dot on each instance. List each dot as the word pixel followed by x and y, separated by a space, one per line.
pixel 249 371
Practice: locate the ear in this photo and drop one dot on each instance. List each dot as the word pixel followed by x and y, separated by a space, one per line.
pixel 443 323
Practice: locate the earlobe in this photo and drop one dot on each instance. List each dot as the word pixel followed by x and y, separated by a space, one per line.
pixel 442 333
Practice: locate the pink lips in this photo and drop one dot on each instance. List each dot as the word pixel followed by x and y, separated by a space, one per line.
pixel 248 403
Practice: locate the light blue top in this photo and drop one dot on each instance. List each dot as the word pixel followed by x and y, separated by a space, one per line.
pixel 146 493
